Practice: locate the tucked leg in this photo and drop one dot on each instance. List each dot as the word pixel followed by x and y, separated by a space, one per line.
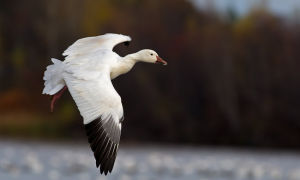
pixel 56 96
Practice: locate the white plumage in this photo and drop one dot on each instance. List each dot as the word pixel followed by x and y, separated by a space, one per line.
pixel 89 45
pixel 87 70
pixel 53 77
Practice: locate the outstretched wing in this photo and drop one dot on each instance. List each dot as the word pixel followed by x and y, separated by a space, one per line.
pixel 101 108
pixel 91 44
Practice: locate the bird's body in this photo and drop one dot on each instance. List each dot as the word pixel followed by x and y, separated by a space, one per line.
pixel 87 71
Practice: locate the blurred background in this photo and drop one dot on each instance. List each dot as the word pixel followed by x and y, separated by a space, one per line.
pixel 232 80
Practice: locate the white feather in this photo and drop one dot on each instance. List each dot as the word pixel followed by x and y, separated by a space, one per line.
pixel 92 44
pixel 53 77
pixel 95 96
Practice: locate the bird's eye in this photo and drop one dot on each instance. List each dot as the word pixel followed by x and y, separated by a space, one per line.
pixel 151 54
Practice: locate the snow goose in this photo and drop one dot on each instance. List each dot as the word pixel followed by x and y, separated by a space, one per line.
pixel 89 66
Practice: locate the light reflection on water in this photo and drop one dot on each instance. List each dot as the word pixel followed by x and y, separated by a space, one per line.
pixel 63 161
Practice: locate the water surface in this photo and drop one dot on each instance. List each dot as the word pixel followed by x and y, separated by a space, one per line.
pixel 66 161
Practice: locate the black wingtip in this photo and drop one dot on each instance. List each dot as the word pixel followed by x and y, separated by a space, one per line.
pixel 103 140
pixel 126 43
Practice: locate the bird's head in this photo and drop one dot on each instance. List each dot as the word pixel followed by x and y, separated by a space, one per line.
pixel 149 56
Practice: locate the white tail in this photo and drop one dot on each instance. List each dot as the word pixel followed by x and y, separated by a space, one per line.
pixel 53 77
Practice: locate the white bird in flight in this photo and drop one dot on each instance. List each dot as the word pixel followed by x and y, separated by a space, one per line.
pixel 89 66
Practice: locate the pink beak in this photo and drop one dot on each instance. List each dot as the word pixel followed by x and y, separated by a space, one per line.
pixel 160 61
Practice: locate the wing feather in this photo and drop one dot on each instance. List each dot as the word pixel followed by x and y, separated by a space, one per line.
pixel 101 108
pixel 92 44
pixel 104 145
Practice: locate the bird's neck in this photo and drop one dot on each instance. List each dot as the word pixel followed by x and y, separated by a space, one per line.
pixel 124 65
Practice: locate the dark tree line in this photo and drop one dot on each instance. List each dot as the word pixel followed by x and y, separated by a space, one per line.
pixel 228 81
